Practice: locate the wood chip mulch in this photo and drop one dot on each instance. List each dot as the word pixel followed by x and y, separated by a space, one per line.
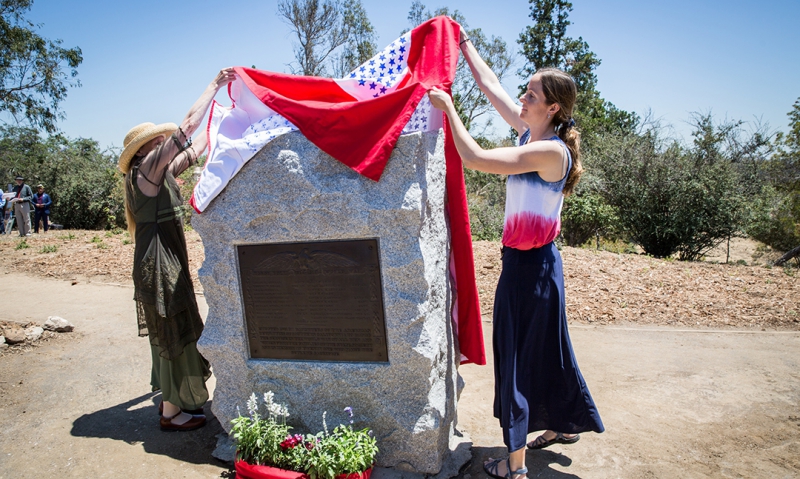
pixel 608 288
pixel 601 287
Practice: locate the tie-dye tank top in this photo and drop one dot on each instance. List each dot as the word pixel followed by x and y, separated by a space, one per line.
pixel 533 206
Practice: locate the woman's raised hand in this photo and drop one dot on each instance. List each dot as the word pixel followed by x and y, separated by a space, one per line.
pixel 440 99
pixel 225 76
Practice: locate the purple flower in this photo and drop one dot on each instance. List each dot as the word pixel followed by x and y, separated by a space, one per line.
pixel 349 411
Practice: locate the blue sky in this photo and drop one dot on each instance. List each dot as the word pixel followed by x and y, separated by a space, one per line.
pixel 149 60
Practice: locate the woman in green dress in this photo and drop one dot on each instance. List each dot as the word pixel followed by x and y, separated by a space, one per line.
pixel 166 308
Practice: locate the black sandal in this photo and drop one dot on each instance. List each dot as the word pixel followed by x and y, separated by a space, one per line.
pixel 541 443
pixel 491 468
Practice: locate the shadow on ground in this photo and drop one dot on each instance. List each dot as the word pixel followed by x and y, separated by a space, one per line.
pixel 538 463
pixel 136 422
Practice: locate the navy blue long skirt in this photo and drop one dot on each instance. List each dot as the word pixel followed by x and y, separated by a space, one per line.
pixel 537 381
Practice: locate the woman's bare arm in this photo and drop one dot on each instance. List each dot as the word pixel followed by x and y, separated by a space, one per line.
pixel 189 156
pixel 156 162
pixel 545 157
pixel 490 86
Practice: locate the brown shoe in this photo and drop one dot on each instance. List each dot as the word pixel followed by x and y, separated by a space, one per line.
pixel 193 412
pixel 194 423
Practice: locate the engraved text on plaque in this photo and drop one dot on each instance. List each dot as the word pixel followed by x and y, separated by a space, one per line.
pixel 314 301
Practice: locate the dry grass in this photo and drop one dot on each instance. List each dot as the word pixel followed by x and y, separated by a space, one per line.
pixel 601 287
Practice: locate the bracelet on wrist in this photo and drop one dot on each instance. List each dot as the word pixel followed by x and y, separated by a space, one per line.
pixel 463 41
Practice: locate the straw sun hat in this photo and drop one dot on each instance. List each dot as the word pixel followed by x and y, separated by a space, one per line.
pixel 138 136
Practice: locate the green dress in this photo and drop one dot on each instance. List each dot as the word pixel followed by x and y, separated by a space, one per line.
pixel 166 307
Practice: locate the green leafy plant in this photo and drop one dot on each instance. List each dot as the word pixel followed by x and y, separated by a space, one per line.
pixel 586 217
pixel 81 178
pixel 23 244
pixel 679 199
pixel 50 248
pixel 267 440
pixel 67 237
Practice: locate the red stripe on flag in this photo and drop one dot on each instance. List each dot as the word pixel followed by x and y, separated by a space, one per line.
pixel 470 329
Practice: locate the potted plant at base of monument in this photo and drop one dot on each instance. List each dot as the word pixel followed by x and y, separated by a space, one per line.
pixel 266 449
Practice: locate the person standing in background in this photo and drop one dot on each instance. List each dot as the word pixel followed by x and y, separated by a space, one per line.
pixel 41 203
pixel 23 195
pixel 2 213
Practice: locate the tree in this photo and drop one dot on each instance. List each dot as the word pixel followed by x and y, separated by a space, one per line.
pixel 546 44
pixel 469 101
pixel 82 180
pixel 672 198
pixel 322 28
pixel 777 211
pixel 361 44
pixel 35 72
pixel 786 166
pixel 485 192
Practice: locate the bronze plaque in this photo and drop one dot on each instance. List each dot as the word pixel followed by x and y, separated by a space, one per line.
pixel 320 301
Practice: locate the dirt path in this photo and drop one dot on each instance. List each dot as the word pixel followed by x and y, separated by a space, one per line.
pixel 79 405
pixel 675 402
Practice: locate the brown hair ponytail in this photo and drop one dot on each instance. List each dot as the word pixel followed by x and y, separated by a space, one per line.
pixel 559 88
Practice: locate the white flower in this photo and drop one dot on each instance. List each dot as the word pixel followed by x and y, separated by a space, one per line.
pixel 324 424
pixel 277 410
pixel 274 409
pixel 252 405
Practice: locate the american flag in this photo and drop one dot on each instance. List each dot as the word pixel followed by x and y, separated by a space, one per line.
pixel 357 120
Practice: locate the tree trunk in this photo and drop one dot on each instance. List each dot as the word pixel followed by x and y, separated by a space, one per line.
pixel 727 255
pixel 791 254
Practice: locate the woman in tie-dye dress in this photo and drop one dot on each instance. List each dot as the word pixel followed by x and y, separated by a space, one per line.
pixel 538 385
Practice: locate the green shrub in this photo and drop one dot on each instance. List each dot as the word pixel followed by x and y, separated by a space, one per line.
pixel 486 195
pixel 776 219
pixel 49 249
pixel 673 199
pixel 586 216
pixel 777 210
pixel 81 179
pixel 187 181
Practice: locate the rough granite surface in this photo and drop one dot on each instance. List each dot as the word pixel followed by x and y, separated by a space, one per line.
pixel 291 192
